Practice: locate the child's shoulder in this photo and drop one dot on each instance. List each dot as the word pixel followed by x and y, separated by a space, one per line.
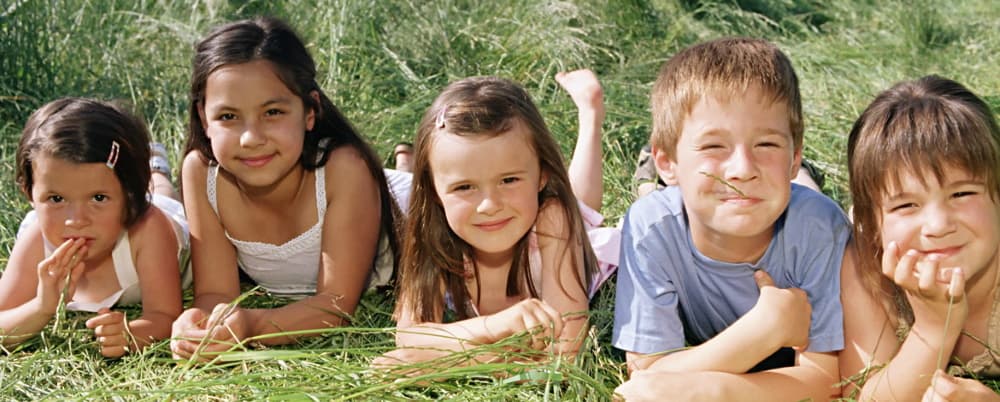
pixel 153 229
pixel 814 218
pixel 656 208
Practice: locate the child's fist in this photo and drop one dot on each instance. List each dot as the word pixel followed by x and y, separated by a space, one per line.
pixel 789 310
pixel 110 331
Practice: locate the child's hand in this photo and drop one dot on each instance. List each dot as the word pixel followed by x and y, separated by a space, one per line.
pixel 530 315
pixel 929 288
pixel 65 263
pixel 110 331
pixel 200 337
pixel 789 309
pixel 947 388
pixel 584 88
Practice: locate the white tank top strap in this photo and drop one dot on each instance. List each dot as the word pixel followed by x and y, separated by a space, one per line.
pixel 124 266
pixel 321 193
pixel 213 173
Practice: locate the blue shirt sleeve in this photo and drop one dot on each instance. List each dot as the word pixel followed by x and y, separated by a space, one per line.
pixel 647 317
pixel 827 231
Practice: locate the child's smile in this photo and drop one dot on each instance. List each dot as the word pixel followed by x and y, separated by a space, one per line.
pixel 955 221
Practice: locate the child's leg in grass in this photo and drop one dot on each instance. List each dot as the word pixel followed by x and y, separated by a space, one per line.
pixel 586 167
pixel 160 182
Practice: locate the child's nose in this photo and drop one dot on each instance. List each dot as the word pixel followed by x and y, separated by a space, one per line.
pixel 938 221
pixel 490 204
pixel 252 136
pixel 741 165
pixel 77 217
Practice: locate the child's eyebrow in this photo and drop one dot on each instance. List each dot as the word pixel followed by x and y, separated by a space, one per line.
pixel 281 100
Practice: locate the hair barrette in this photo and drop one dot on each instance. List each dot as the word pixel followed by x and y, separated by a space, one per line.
pixel 113 155
pixel 439 122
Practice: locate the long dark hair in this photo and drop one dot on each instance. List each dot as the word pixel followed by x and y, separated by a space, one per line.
pixel 434 257
pixel 273 40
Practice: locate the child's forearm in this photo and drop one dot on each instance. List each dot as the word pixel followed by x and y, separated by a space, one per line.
pixel 908 374
pixel 736 349
pixel 149 328
pixel 22 322
pixel 804 382
pixel 456 336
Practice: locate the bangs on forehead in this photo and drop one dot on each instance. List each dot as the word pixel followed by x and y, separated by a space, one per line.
pixel 925 140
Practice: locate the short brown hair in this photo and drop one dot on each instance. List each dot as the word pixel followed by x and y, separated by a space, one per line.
pixel 81 130
pixel 724 68
pixel 920 126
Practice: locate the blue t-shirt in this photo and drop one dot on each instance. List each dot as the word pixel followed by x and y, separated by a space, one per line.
pixel 669 293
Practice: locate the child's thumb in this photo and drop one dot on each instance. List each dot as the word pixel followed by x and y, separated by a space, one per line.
pixel 762 278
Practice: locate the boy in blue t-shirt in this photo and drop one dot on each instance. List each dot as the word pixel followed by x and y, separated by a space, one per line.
pixel 724 258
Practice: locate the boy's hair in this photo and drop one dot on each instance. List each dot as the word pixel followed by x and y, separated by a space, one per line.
pixel 274 41
pixel 434 258
pixel 922 127
pixel 81 130
pixel 726 69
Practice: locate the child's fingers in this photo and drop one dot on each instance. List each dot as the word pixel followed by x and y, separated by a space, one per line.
pixel 762 278
pixel 927 272
pixel 890 259
pixel 956 288
pixel 903 273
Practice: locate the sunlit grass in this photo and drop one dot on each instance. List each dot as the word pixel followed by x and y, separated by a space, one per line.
pixel 382 62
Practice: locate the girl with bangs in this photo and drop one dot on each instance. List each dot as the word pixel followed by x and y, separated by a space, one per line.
pixel 922 309
pixel 497 243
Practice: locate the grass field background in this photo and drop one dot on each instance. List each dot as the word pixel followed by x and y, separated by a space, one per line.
pixel 382 62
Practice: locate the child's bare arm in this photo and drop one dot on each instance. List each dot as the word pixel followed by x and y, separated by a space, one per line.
pixel 902 371
pixel 586 168
pixel 30 291
pixel 813 379
pixel 780 318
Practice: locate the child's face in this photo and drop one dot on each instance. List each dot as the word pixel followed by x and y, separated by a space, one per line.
pixel 488 187
pixel 78 200
pixel 748 144
pixel 955 220
pixel 255 123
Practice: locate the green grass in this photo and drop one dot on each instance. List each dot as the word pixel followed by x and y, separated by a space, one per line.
pixel 382 62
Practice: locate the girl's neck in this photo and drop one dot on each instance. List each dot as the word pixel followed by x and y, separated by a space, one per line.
pixel 280 194
pixel 494 261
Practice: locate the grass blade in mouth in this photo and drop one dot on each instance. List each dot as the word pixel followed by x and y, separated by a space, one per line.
pixel 725 182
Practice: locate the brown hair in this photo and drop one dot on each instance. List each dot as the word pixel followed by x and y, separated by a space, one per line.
pixel 920 126
pixel 81 130
pixel 272 40
pixel 724 68
pixel 433 262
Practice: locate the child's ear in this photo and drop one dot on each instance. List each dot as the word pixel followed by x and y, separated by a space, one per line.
pixel 543 179
pixel 665 167
pixel 311 116
pixel 796 163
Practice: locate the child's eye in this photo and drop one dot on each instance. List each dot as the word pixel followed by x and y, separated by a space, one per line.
pixel 510 180
pixel 462 187
pixel 100 197
pixel 769 145
pixel 55 199
pixel 708 147
pixel 960 194
pixel 274 112
pixel 226 116
pixel 902 207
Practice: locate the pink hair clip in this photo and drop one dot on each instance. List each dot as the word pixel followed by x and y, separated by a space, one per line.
pixel 113 155
pixel 439 122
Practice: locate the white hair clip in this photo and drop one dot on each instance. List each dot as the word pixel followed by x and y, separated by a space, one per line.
pixel 113 155
pixel 439 122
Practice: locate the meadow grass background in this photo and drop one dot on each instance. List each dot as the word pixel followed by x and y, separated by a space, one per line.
pixel 382 62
